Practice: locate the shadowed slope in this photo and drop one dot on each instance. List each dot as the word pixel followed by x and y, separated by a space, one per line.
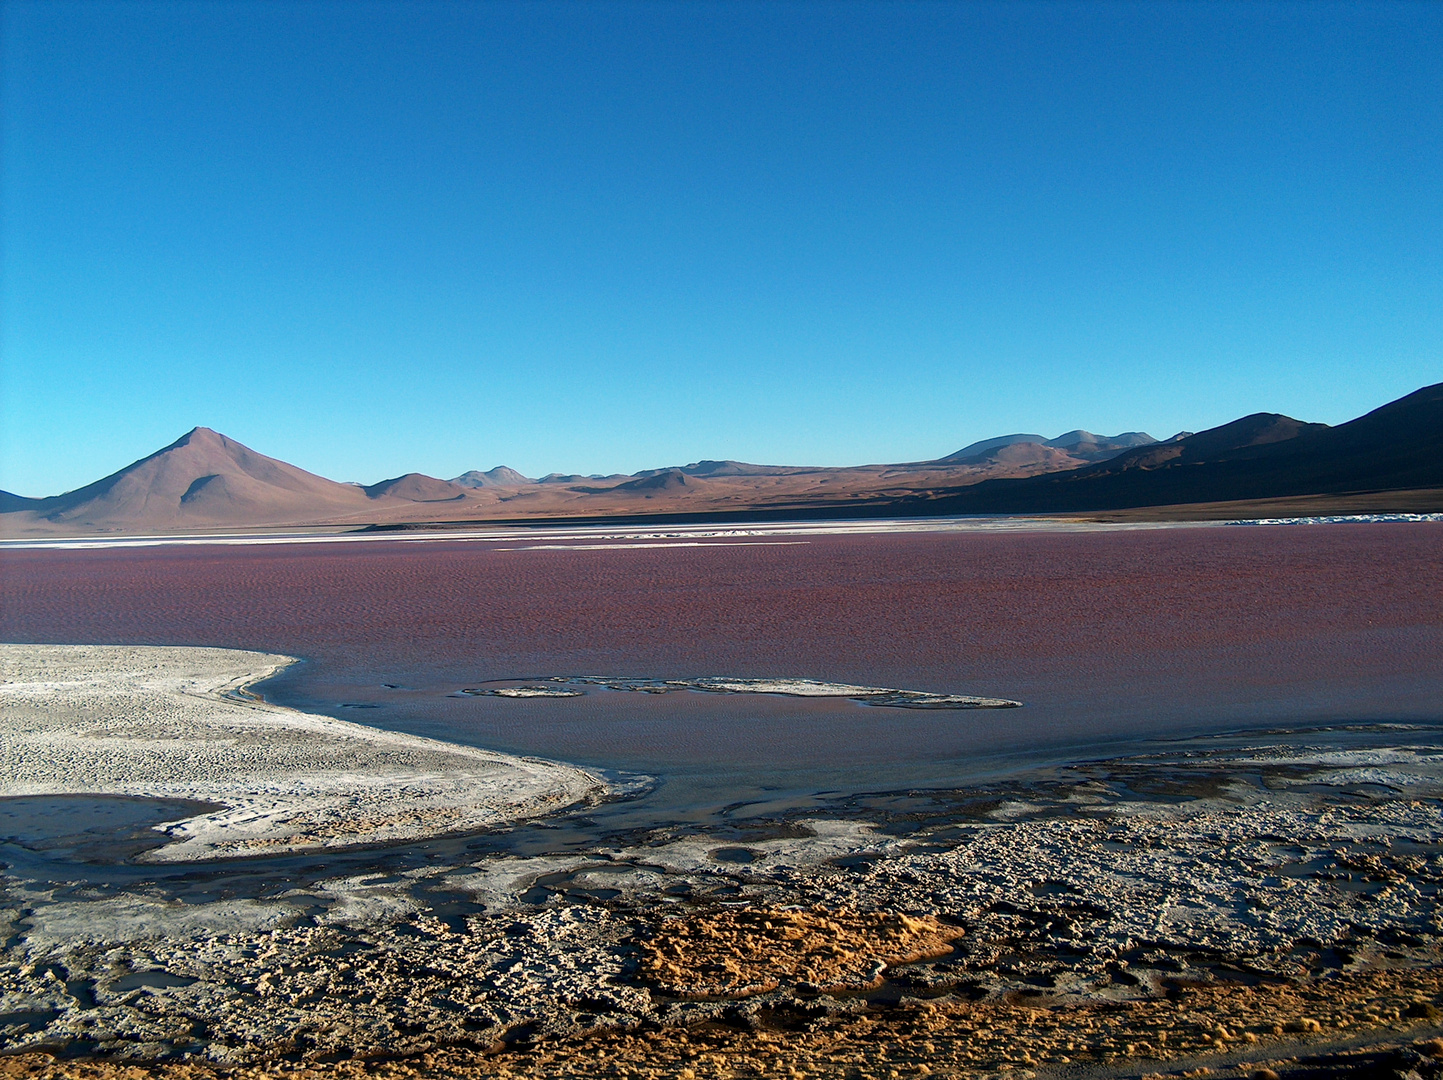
pixel 1266 455
pixel 10 502
pixel 667 480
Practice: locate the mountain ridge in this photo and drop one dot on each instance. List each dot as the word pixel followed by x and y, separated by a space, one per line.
pixel 1395 447
pixel 1095 446
pixel 205 480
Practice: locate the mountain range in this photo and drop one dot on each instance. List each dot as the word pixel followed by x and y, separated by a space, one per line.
pixel 1391 458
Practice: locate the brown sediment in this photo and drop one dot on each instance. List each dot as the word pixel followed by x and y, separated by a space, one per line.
pixel 1193 1031
pixel 740 953
pixel 1072 915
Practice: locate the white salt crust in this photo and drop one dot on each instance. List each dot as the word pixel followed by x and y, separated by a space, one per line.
pixel 172 723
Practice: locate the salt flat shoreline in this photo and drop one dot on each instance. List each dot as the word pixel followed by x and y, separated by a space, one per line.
pixel 175 723
pixel 549 535
pixel 543 535
pixel 1201 906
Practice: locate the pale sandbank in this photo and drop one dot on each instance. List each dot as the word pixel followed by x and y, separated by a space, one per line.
pixel 177 723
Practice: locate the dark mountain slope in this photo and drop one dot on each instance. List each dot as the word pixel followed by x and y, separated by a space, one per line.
pixel 10 502
pixel 1239 439
pixel 668 480
pixel 1397 446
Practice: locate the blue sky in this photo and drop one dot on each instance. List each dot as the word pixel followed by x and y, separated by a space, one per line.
pixel 593 237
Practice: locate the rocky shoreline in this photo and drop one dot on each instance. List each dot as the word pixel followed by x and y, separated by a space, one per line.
pixel 1199 905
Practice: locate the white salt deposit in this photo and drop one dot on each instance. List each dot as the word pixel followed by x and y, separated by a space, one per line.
pixel 563 686
pixel 173 723
pixel 872 695
pixel 790 687
pixel 526 692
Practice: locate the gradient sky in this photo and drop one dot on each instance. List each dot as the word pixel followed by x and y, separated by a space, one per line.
pixel 597 237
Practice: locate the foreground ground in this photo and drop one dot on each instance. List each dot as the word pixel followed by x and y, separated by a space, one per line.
pixel 1197 910
pixel 1383 1024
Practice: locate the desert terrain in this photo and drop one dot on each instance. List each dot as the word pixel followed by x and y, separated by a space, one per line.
pixel 725 540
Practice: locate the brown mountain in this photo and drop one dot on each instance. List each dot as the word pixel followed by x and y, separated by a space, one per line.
pixel 418 487
pixel 204 480
pixel 736 468
pixel 1391 458
pixel 666 480
pixel 500 476
pixel 1038 455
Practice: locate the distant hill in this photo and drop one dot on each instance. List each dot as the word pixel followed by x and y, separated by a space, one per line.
pixel 203 478
pixel 1083 445
pixel 10 503
pixel 737 468
pixel 977 449
pixel 418 487
pixel 205 481
pixel 500 476
pixel 666 480
pixel 1033 456
pixel 577 478
pixel 1263 456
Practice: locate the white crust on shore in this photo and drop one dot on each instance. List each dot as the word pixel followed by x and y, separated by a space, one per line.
pixel 794 687
pixel 166 722
pixel 872 695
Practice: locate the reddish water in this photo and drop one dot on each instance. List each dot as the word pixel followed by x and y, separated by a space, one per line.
pixel 1105 636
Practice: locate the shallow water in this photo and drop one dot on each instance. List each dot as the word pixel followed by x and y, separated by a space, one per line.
pixel 91 828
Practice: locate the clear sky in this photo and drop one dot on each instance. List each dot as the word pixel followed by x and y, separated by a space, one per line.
pixel 591 237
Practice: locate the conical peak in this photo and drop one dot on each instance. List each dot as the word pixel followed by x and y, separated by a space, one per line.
pixel 196 436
